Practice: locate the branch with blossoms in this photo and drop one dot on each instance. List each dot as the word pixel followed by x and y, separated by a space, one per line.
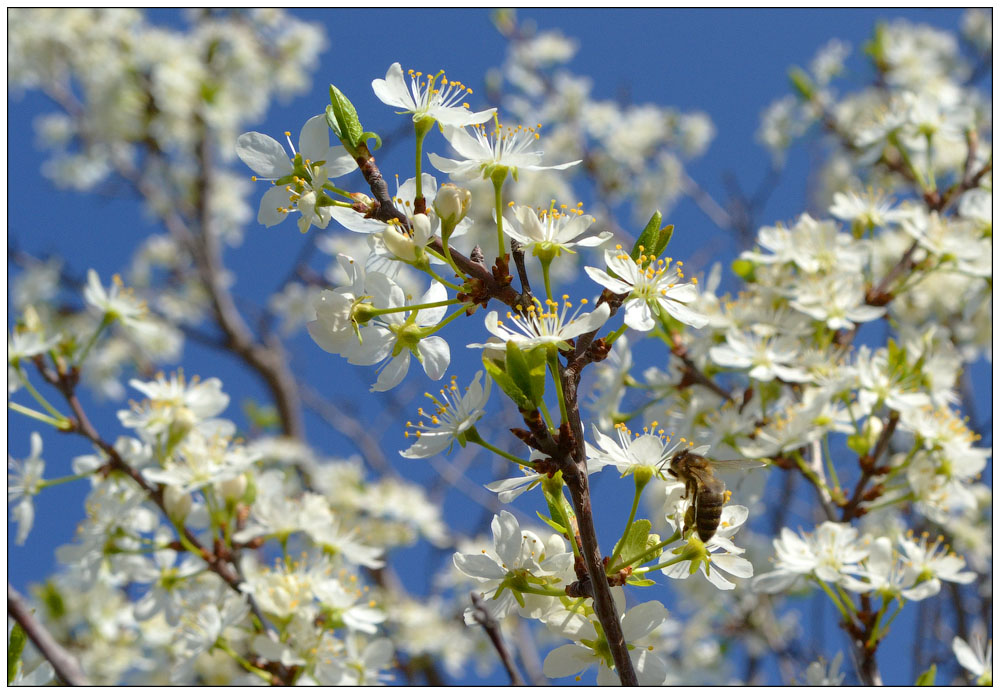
pixel 266 560
pixel 359 322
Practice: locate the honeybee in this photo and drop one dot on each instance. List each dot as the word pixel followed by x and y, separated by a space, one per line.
pixel 707 491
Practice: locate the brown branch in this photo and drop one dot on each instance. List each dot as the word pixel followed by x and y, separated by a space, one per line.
pixel 869 468
pixel 65 665
pixel 492 628
pixel 574 468
pixel 65 382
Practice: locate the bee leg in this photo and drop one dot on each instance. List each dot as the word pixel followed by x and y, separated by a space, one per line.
pixel 689 520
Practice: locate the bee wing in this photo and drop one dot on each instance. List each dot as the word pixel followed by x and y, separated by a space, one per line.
pixel 740 464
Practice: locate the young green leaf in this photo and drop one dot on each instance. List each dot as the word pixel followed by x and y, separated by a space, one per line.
pixel 15 646
pixel 507 384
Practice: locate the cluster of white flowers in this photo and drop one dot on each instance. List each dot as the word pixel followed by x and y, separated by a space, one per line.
pixel 210 553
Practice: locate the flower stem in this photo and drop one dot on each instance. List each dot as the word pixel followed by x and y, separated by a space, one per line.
pixel 545 277
pixel 446 321
pixel 555 592
pixel 610 339
pixel 448 259
pixel 875 625
pixel 412 307
pixel 670 562
pixel 628 524
pixel 421 127
pixel 545 413
pixel 244 663
pixel 63 480
pixel 638 559
pixel 472 436
pixel 835 599
pixel 830 469
pixel 334 189
pixel 442 280
pixel 498 191
pixel 35 414
pixel 105 322
pixel 39 398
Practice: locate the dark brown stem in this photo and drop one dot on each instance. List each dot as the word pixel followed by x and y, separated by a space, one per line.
pixel 869 468
pixel 517 255
pixel 65 665
pixel 492 628
pixel 574 468
pixel 604 604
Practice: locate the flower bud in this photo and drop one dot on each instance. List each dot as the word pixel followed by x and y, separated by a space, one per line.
pixel 407 247
pixel 232 489
pixel 176 503
pixel 452 204
pixel 399 244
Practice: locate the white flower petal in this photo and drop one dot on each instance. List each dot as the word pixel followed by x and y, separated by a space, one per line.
pixel 263 154
pixel 392 373
pixel 435 355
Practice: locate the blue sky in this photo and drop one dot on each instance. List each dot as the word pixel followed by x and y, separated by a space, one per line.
pixel 728 63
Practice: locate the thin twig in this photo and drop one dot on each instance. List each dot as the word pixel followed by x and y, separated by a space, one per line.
pixel 65 665
pixel 492 628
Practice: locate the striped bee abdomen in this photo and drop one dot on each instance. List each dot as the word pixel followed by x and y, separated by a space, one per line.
pixel 708 513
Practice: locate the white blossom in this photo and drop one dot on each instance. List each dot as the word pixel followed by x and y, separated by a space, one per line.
pixel 428 96
pixel 452 416
pixel 651 285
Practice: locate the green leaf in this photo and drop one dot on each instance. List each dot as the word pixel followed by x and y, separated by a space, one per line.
pixel 536 371
pixel 517 368
pixel 507 384
pixel 342 118
pixel 556 502
pixel 636 581
pixel 649 237
pixel 926 678
pixel 634 543
pixel 666 233
pixel 370 135
pixel 551 523
pixel 802 83
pixel 15 646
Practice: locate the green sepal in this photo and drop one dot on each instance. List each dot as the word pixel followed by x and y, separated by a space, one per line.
pixel 649 237
pixel 666 233
pixel 556 502
pixel 744 269
pixel 368 135
pixel 636 581
pixel 343 119
pixel 802 83
pixel 551 523
pixel 926 678
pixel 15 646
pixel 507 384
pixel 634 543
pixel 324 200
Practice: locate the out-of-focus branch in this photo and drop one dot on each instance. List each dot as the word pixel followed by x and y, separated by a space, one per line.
pixel 706 203
pixel 527 649
pixel 349 426
pixel 65 665
pixel 492 628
